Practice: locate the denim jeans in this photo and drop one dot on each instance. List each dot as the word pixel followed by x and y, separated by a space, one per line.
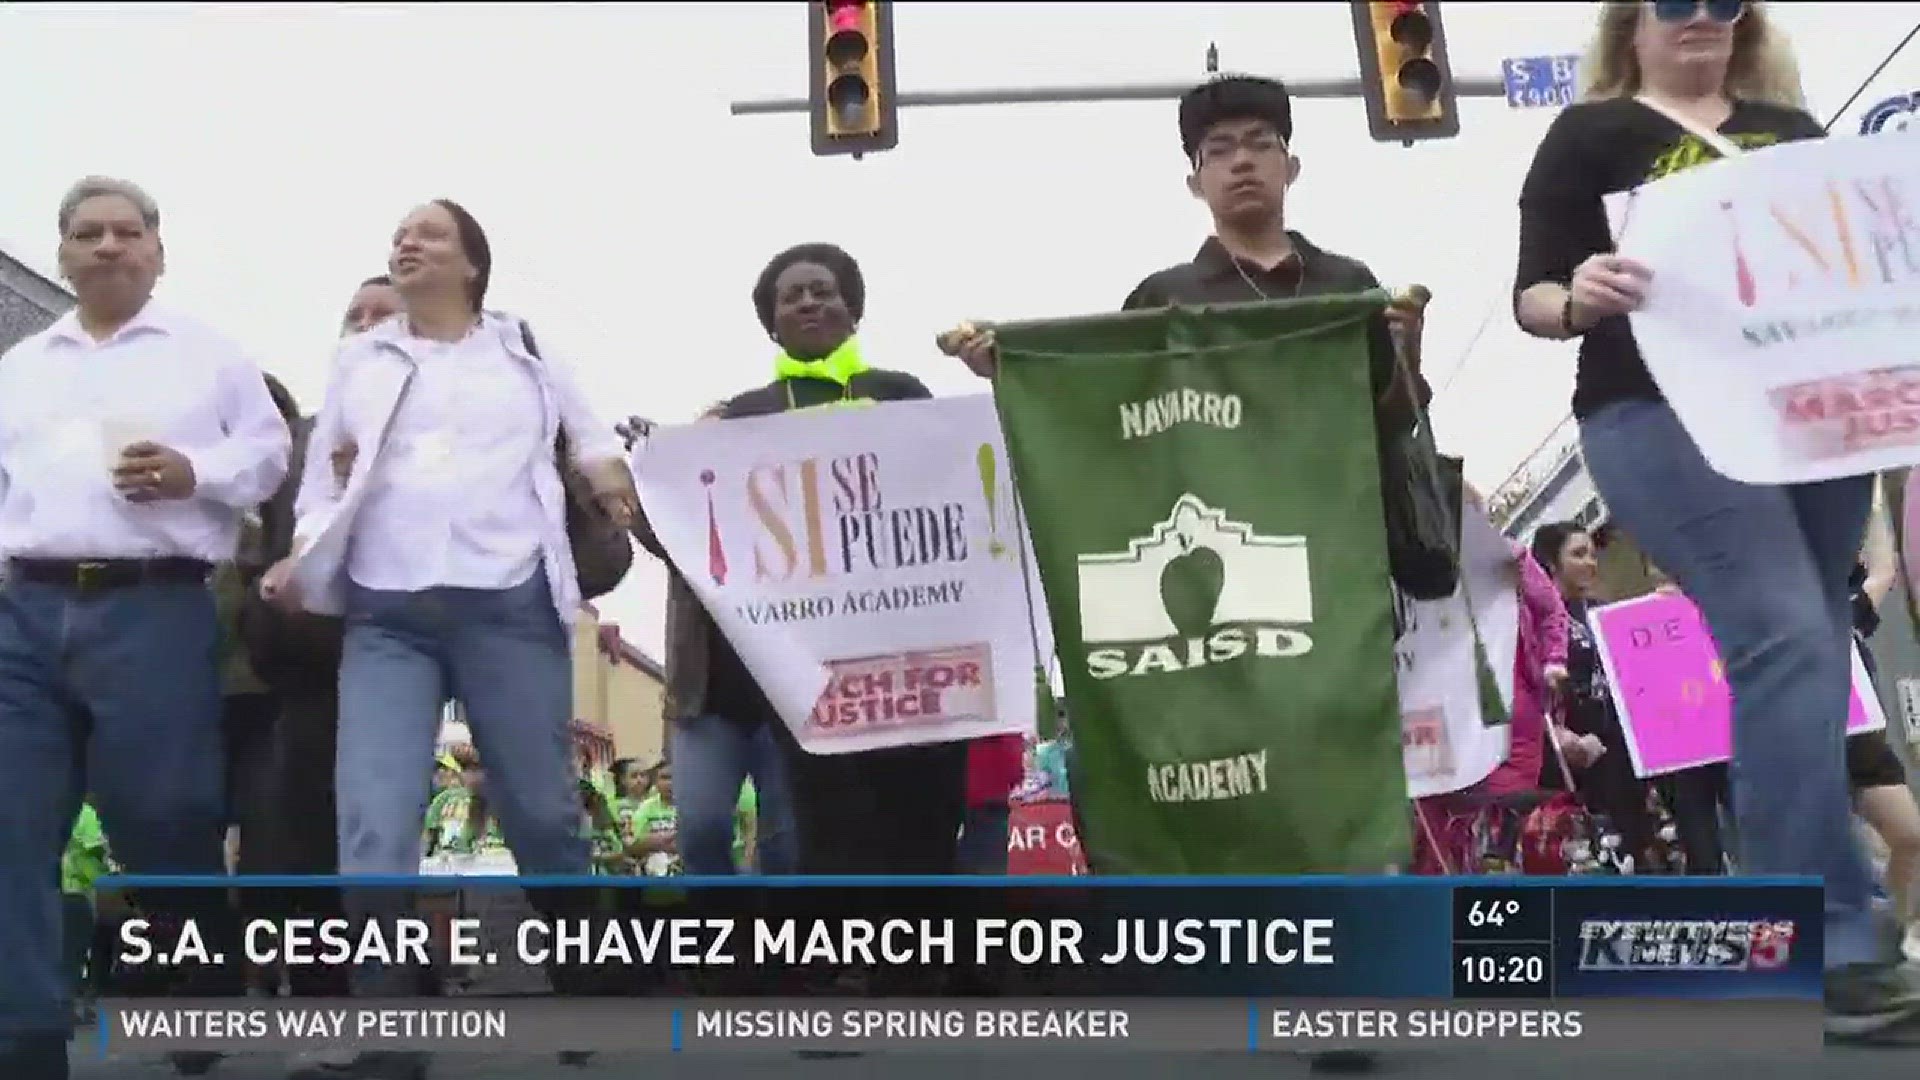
pixel 1768 567
pixel 712 757
pixel 983 839
pixel 116 692
pixel 505 656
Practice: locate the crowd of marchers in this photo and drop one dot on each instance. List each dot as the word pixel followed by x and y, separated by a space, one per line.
pixel 219 610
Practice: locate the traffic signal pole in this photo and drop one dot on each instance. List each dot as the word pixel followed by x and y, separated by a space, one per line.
pixel 1467 87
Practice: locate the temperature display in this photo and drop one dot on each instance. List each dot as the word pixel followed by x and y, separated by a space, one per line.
pixel 1502 914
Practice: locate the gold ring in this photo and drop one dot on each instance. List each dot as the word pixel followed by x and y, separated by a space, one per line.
pixel 153 476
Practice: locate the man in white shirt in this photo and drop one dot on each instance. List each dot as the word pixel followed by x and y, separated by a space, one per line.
pixel 131 440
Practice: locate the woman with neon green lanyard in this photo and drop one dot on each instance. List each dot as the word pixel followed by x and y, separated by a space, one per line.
pixel 882 811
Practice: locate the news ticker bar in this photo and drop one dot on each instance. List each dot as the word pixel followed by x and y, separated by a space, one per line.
pixel 1406 938
pixel 1023 1025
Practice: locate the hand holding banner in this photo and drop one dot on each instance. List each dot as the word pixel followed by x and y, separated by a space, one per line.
pixel 1783 322
pixel 1203 493
pixel 864 563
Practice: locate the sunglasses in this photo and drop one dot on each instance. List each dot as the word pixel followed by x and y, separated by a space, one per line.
pixel 1680 11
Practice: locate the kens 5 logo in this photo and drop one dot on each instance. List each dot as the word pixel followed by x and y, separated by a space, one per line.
pixel 1685 944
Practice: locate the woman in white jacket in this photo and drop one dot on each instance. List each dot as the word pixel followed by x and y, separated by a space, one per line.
pixel 446 550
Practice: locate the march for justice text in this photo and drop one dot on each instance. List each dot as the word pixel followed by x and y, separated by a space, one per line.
pixel 726 942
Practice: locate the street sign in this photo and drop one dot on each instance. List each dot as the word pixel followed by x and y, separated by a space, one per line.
pixel 1898 113
pixel 1539 82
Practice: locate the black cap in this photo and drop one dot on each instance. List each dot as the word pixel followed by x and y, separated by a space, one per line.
pixel 1233 97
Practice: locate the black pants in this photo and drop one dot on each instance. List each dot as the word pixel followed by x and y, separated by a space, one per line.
pixel 880 812
pixel 248 727
pixel 895 811
pixel 305 734
pixel 1609 787
pixel 77 933
pixel 305 837
pixel 1696 795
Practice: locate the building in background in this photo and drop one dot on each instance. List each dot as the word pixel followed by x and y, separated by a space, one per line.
pixel 617 693
pixel 1551 485
pixel 29 303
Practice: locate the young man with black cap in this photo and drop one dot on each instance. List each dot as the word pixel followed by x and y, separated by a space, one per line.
pixel 1237 134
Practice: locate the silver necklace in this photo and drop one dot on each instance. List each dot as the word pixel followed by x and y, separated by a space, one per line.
pixel 1254 285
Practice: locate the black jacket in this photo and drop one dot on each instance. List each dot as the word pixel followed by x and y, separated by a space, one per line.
pixel 289 651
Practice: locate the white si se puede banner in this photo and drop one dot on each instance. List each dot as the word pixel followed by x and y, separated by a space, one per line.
pixel 1447 743
pixel 1783 319
pixel 865 564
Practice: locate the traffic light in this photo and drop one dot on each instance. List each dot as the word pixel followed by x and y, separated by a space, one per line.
pixel 1404 75
pixel 851 93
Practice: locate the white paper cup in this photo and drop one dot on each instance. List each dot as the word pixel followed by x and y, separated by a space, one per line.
pixel 117 435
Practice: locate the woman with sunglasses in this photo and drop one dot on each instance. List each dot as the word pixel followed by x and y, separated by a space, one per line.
pixel 1767 565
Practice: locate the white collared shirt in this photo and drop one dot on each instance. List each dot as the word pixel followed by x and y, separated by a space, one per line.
pixel 70 404
pixel 451 501
pixel 373 374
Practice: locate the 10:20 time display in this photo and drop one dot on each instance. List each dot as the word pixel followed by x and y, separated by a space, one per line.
pixel 1513 969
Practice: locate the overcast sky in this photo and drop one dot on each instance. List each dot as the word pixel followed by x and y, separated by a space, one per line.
pixel 629 213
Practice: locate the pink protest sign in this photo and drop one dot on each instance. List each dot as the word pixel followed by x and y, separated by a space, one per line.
pixel 1670 687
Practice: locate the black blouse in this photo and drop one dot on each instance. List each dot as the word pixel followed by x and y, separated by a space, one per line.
pixel 1595 149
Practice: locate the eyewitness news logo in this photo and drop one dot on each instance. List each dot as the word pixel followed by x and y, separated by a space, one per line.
pixel 1685 944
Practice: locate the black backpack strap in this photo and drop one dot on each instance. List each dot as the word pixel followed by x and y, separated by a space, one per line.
pixel 533 350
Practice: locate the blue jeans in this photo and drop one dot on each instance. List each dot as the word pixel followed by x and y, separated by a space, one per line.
pixel 504 655
pixel 712 756
pixel 118 693
pixel 983 839
pixel 1768 567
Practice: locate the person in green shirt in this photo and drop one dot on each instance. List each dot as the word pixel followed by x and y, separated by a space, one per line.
pixel 746 855
pixel 656 827
pixel 632 783
pixel 85 861
pixel 458 822
pixel 605 843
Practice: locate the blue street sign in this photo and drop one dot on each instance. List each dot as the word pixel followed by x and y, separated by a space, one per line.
pixel 1898 113
pixel 1539 82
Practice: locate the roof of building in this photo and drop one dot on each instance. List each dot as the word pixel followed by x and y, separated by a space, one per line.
pixel 614 645
pixel 29 301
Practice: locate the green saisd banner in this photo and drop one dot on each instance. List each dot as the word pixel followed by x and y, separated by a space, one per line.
pixel 1202 489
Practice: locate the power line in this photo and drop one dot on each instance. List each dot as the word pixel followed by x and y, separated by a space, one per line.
pixel 1466 354
pixel 1868 81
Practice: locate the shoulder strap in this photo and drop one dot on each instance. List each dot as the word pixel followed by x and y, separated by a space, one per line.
pixel 533 350
pixel 1727 147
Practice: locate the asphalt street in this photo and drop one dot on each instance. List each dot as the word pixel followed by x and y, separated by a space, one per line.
pixel 1520 1062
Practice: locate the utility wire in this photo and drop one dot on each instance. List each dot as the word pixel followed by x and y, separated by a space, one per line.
pixel 1885 62
pixel 1466 354
pixel 1868 81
